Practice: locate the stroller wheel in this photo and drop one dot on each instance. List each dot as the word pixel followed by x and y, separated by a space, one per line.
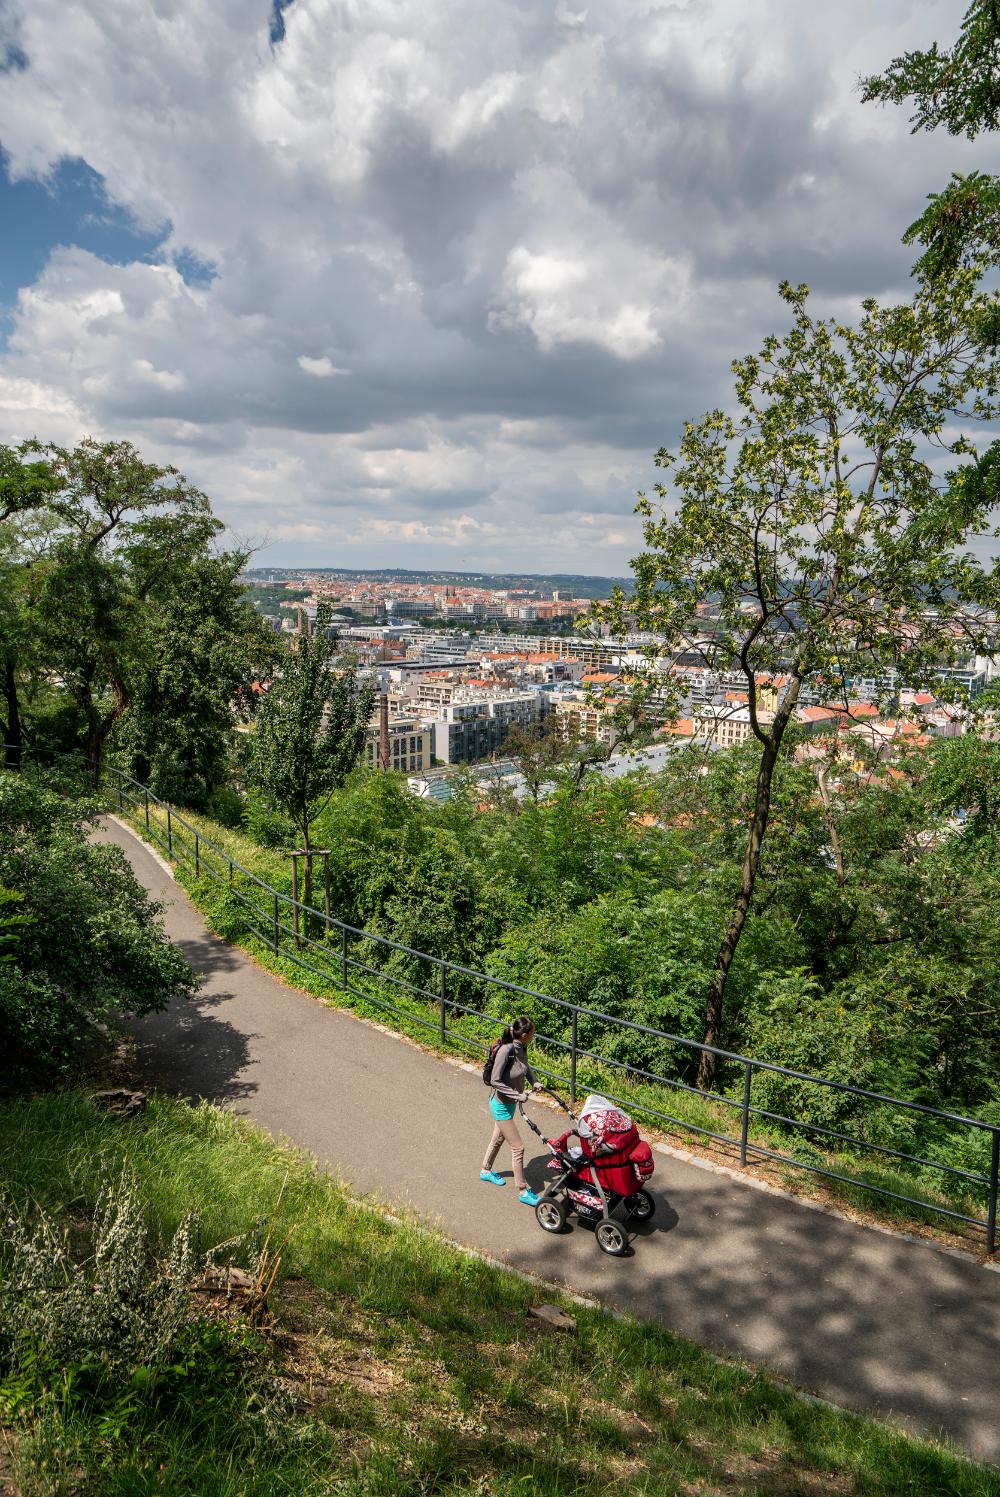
pixel 550 1215
pixel 610 1238
pixel 641 1205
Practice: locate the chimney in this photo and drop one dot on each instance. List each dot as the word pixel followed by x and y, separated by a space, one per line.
pixel 383 729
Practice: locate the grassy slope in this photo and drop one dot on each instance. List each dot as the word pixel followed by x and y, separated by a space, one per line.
pixel 468 1033
pixel 419 1371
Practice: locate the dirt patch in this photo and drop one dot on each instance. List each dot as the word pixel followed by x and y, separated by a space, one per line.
pixel 768 1471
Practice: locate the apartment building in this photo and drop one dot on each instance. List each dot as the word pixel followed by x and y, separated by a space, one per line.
pixel 474 725
pixel 728 725
pixel 411 745
pixel 575 717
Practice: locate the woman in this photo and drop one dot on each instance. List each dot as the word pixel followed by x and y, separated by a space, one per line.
pixel 510 1071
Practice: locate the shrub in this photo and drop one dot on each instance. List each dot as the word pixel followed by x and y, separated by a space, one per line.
pixel 89 946
pixel 115 1327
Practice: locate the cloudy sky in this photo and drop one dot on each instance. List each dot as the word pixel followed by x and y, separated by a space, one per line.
pixel 426 282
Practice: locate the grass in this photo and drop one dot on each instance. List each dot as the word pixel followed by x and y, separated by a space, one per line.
pixel 226 909
pixel 415 1367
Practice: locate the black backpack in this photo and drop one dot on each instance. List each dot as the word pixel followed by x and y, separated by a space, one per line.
pixel 491 1056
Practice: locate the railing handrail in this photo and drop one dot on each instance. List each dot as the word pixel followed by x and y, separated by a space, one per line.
pixel 581 1009
pixel 748 1063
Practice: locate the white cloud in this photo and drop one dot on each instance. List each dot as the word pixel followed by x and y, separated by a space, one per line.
pixel 322 368
pixel 534 237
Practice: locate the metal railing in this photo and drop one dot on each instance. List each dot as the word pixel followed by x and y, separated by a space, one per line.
pixel 282 922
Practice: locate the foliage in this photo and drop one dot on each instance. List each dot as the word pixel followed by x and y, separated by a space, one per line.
pixel 89 944
pixel 643 962
pixel 204 651
pixel 116 615
pixel 959 91
pixel 110 1336
pixel 815 519
pixel 106 1317
pixel 310 729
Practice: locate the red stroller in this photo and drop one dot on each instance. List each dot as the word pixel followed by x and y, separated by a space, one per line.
pixel 599 1166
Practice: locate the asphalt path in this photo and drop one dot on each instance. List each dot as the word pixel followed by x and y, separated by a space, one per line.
pixel 864 1318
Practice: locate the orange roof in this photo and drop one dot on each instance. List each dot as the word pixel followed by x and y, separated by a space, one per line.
pixel 737 696
pixel 683 725
pixel 817 714
pixel 600 678
pixel 860 709
pixel 924 699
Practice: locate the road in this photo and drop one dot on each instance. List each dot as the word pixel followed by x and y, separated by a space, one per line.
pixel 866 1319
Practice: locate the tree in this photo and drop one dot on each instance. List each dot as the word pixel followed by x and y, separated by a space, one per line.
pixel 959 91
pixel 117 612
pixel 820 530
pixel 123 531
pixel 309 732
pixel 24 487
pixel 88 946
pixel 548 757
pixel 205 649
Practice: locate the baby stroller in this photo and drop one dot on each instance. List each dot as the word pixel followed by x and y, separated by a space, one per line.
pixel 598 1167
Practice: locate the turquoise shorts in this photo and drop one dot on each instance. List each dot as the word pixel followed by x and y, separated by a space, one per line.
pixel 501 1111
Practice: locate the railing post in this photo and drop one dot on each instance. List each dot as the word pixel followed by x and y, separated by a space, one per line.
pixel 444 1000
pixel 745 1126
pixel 170 833
pixel 197 856
pixel 572 1058
pixel 343 957
pixel 118 786
pixel 275 915
pixel 295 897
pixel 991 1220
pixel 146 794
pixel 230 873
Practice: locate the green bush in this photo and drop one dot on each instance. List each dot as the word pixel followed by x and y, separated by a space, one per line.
pixel 89 947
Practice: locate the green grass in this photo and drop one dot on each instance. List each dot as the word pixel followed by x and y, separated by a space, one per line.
pixel 468 1034
pixel 417 1369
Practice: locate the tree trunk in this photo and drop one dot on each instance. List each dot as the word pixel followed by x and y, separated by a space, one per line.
pixel 98 727
pixel 748 879
pixel 13 733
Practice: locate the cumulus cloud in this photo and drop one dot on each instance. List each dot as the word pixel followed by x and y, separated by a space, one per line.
pixel 463 269
pixel 322 368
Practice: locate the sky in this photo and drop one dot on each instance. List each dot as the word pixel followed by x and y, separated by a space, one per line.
pixel 427 282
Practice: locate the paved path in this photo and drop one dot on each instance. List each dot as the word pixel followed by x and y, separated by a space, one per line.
pixel 868 1320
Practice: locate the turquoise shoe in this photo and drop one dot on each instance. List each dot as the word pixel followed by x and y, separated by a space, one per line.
pixel 491 1177
pixel 528 1198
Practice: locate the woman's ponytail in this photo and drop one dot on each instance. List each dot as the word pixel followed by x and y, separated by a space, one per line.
pixel 516 1031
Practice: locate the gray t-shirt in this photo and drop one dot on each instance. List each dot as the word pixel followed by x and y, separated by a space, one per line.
pixel 511 1086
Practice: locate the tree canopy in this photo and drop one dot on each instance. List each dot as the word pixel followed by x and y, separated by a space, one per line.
pixel 828 518
pixel 957 90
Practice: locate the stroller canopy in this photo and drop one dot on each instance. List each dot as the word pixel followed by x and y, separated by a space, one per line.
pixel 599 1119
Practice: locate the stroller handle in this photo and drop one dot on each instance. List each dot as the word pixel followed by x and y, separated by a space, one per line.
pixel 556 1098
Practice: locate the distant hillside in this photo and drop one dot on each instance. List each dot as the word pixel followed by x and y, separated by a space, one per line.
pixel 575 584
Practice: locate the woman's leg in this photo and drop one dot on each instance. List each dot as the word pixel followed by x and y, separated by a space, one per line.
pixel 494 1147
pixel 508 1131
